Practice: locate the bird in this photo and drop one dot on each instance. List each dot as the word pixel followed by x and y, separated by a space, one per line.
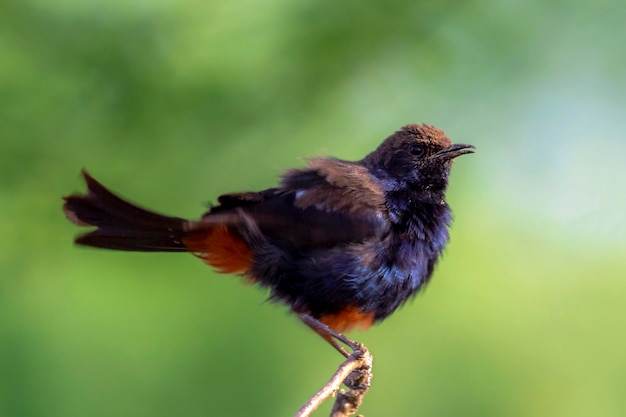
pixel 341 243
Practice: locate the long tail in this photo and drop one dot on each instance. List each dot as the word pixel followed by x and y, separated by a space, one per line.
pixel 121 225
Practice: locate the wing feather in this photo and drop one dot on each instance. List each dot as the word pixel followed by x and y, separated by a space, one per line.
pixel 329 203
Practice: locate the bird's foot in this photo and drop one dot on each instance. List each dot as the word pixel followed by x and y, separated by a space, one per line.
pixel 332 337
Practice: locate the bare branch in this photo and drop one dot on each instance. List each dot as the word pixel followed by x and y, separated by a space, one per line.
pixel 355 373
pixel 358 382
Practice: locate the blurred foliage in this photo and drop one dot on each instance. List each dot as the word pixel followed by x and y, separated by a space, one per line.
pixel 173 102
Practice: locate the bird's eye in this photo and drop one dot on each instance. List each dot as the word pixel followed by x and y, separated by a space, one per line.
pixel 416 150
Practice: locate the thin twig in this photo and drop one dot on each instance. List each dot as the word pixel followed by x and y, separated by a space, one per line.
pixel 358 382
pixel 355 372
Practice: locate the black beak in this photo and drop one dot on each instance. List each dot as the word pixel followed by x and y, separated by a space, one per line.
pixel 453 151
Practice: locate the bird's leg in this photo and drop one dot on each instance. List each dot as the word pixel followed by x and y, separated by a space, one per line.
pixel 334 344
pixel 328 334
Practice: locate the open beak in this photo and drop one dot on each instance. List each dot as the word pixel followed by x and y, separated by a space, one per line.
pixel 453 151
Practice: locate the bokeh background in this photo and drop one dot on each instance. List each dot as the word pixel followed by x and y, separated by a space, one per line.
pixel 171 103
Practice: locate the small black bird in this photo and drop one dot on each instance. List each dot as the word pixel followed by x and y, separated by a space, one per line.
pixel 343 242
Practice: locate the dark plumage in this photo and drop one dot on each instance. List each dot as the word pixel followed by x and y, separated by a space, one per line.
pixel 345 242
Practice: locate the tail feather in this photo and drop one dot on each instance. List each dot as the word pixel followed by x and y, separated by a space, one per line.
pixel 121 225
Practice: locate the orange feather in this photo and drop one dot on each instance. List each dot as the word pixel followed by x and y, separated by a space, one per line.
pixel 347 319
pixel 220 247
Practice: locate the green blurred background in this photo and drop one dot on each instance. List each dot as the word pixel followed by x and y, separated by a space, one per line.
pixel 171 103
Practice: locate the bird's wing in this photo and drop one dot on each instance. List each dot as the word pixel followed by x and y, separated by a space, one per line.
pixel 330 203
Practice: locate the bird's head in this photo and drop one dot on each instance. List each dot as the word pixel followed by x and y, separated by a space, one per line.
pixel 417 157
